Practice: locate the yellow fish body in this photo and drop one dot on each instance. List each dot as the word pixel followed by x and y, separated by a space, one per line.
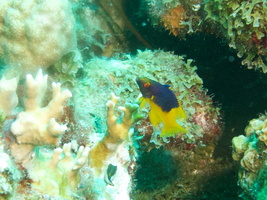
pixel 164 106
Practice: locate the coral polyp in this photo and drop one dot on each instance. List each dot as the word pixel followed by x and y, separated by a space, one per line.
pixel 173 20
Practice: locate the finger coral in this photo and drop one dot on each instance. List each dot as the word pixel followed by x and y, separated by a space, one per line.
pixel 115 149
pixel 117 132
pixel 55 172
pixel 36 125
pixel 50 172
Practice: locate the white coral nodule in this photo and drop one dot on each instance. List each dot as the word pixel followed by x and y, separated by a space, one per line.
pixel 37 125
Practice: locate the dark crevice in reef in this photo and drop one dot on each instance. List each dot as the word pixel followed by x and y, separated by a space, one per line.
pixel 241 93
pixel 158 169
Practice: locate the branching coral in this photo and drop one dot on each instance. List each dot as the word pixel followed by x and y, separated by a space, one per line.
pixel 115 149
pixel 51 171
pixel 55 172
pixel 117 133
pixel 37 125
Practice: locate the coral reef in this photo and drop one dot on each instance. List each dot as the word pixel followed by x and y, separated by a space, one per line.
pixel 53 146
pixel 66 69
pixel 243 23
pixel 115 148
pixel 179 17
pixel 9 174
pixel 193 149
pixel 117 133
pixel 55 172
pixel 37 126
pixel 160 66
pixel 250 152
pixel 92 34
pixel 34 129
pixel 102 28
pixel 35 33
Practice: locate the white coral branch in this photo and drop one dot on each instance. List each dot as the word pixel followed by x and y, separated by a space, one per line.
pixel 64 159
pixel 9 98
pixel 37 125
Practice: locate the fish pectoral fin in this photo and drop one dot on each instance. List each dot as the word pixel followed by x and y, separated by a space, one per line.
pixel 154 118
pixel 142 102
pixel 180 114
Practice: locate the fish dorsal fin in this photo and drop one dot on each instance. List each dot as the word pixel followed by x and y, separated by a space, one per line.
pixel 167 86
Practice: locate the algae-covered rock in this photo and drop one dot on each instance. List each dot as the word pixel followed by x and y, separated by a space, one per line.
pixel 9 175
pixel 243 24
pixel 180 17
pixel 250 152
pixel 239 145
pixel 119 75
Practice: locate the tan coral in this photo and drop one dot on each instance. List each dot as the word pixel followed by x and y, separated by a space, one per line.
pixel 55 172
pixel 117 133
pixel 37 125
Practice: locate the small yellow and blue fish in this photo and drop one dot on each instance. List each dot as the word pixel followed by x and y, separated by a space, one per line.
pixel 164 106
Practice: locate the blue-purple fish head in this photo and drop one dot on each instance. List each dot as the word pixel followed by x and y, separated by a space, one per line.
pixel 160 94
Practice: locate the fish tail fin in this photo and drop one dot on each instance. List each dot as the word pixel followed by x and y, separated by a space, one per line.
pixel 172 131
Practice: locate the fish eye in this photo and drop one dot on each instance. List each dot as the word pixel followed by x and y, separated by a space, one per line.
pixel 146 85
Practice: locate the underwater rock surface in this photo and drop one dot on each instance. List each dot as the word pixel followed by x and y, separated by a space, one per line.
pixel 250 152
